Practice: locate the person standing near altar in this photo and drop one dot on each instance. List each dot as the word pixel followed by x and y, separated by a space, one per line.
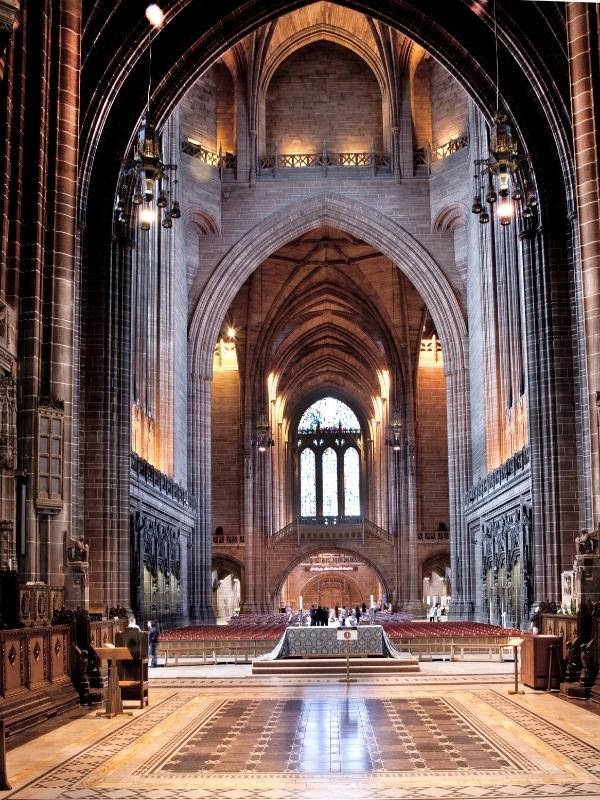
pixel 152 642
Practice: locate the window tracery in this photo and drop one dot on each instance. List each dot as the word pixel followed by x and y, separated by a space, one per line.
pixel 329 446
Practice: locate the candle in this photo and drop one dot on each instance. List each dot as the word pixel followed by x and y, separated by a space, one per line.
pixel 300 602
pixel 372 600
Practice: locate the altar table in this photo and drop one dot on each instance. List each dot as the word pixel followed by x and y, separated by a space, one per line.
pixel 297 642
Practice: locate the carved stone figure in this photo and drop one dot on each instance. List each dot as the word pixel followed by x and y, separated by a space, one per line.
pixel 573 648
pixel 587 542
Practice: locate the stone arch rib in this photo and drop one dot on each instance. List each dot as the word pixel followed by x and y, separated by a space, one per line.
pixel 299 218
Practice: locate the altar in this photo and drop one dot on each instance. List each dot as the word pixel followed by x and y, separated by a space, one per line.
pixel 301 642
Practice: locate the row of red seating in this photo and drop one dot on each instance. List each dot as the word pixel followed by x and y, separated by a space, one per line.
pixel 397 630
pixel 446 629
pixel 195 632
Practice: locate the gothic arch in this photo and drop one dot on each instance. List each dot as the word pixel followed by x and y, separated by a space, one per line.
pixel 439 563
pixel 228 564
pixel 416 263
pixel 277 583
pixel 320 33
pixel 194 36
pixel 349 216
pixel 333 575
pixel 450 217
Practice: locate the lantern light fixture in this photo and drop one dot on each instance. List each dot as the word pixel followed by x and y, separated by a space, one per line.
pixel 262 438
pixel 148 184
pixel 394 432
pixel 155 15
pixel 503 177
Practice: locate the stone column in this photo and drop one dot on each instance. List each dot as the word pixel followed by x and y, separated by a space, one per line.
pixel 252 136
pixel 414 599
pixel 584 62
pixel 65 247
pixel 248 524
pixel 405 138
pixel 41 237
pixel 106 416
pixel 396 154
pixel 200 584
pixel 257 504
pixel 461 549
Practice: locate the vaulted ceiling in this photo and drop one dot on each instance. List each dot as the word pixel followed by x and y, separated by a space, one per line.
pixel 327 312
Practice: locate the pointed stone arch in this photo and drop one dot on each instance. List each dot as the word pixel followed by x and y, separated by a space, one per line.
pixel 277 581
pixel 404 251
pixel 293 221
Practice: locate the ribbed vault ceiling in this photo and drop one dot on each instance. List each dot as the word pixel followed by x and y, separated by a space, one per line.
pixel 327 312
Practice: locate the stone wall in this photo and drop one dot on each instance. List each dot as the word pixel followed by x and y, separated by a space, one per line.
pixel 323 94
pixel 448 106
pixel 198 111
pixel 432 450
pixel 225 450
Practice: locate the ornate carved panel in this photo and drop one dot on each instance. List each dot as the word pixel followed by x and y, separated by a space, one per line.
pixel 506 565
pixel 156 555
pixel 50 454
pixel 8 422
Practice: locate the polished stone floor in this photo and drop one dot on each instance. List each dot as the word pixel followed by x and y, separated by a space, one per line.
pixel 443 733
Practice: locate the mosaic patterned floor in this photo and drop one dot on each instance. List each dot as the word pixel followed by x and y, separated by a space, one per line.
pixel 310 743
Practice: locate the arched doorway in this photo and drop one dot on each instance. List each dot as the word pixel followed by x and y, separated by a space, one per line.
pixel 436 580
pixel 329 578
pixel 226 587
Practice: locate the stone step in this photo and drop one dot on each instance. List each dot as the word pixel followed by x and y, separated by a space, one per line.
pixel 335 666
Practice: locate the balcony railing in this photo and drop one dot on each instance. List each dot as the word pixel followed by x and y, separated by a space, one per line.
pixel 221 160
pixel 326 521
pixel 424 156
pixel 229 539
pixel 450 147
pixel 376 162
pixel 433 536
pixel 330 529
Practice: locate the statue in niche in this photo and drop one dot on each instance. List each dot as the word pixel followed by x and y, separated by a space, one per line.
pixel 78 561
pixel 587 542
pixel 78 552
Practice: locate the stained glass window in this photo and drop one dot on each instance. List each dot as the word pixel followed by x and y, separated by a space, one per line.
pixel 308 486
pixel 329 412
pixel 330 483
pixel 351 483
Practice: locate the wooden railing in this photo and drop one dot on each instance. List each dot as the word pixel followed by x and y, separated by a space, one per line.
pixel 564 625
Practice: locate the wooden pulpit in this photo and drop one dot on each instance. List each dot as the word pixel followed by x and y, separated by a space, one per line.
pixel 114 704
